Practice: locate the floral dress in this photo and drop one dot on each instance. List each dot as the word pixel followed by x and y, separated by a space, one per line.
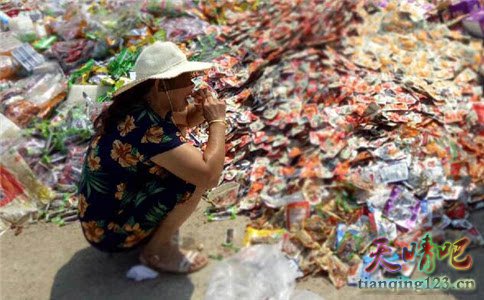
pixel 123 195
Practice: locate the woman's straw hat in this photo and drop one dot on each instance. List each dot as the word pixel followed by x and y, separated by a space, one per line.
pixel 161 60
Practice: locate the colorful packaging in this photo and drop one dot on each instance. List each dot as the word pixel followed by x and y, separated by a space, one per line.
pixel 296 214
pixel 262 236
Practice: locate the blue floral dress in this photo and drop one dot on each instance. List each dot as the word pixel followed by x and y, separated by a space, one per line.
pixel 123 195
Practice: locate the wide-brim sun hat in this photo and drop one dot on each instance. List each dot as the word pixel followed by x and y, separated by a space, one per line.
pixel 161 60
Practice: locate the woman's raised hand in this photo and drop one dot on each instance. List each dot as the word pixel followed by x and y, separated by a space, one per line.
pixel 213 108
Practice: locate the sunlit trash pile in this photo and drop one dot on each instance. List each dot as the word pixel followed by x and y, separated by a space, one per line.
pixel 347 121
pixel 350 123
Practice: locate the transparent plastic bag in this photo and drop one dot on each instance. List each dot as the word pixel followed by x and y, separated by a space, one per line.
pixel 46 87
pixel 21 193
pixel 7 67
pixel 256 272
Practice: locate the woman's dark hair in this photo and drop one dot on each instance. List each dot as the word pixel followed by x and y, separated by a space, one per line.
pixel 123 104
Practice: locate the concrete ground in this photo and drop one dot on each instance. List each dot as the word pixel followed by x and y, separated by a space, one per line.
pixel 50 262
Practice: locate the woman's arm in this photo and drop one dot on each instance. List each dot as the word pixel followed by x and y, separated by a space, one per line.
pixel 190 164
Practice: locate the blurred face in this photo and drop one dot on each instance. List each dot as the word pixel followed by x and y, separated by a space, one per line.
pixel 179 88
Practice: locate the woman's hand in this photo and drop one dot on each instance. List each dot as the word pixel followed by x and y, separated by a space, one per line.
pixel 212 107
pixel 187 162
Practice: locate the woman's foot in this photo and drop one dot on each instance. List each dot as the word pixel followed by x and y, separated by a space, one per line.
pixel 175 260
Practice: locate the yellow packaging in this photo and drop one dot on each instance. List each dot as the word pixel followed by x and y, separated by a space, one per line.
pixel 262 236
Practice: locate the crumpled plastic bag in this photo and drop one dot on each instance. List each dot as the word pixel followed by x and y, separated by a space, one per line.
pixel 256 272
pixel 10 133
pixel 141 272
pixel 21 193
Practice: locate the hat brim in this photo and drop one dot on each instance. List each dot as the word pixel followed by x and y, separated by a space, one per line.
pixel 188 66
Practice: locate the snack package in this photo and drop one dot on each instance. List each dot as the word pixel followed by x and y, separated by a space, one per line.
pixel 262 236
pixel 474 24
pixel 7 67
pixel 224 195
pixel 296 214
pixel 10 134
pixel 21 193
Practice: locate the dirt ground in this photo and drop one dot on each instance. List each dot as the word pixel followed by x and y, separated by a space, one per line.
pixel 50 262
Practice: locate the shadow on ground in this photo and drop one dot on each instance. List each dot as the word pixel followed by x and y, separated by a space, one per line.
pixel 91 274
pixel 477 271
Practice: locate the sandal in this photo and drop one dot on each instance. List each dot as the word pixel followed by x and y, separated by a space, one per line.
pixel 186 265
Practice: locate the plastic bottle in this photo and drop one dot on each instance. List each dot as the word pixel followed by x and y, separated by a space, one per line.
pixel 23 27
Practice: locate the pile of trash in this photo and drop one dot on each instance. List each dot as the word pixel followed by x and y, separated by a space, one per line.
pixel 367 126
pixel 348 120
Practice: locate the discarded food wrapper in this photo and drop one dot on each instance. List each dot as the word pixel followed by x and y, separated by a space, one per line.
pixel 262 236
pixel 7 67
pixel 221 214
pixel 10 134
pixel 21 193
pixel 256 272
pixel 278 201
pixel 141 272
pixel 27 57
pixel 296 214
pixel 474 24
pixel 402 208
pixel 224 195
pixel 394 172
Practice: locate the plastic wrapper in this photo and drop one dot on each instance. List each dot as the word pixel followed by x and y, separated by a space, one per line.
pixel 280 201
pixel 337 270
pixel 9 42
pixel 214 214
pixel 45 43
pixel 7 67
pixel 21 112
pixel 402 208
pixel 10 134
pixel 140 273
pixel 22 194
pixel 23 27
pixel 394 173
pixel 34 96
pixel 69 30
pixel 224 195
pixel 474 24
pixel 296 215
pixel 181 29
pixel 46 87
pixel 71 172
pixel 262 236
pixel 73 53
pixel 27 57
pixel 257 272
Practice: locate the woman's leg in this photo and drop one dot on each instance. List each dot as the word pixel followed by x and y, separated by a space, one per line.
pixel 160 243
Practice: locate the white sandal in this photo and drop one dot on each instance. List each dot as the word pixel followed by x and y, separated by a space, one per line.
pixel 185 266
